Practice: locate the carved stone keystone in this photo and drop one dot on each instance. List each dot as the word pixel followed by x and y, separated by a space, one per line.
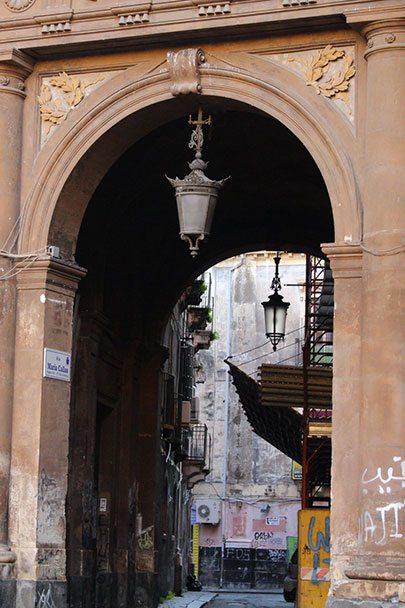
pixel 184 70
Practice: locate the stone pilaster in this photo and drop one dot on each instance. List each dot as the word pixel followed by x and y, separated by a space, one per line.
pixel 346 264
pixel 14 68
pixel 376 571
pixel 40 431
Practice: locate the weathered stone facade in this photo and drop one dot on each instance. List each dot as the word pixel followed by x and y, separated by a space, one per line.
pixel 308 100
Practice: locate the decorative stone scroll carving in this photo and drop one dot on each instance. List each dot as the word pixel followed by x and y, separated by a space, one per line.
pixel 184 70
pixel 316 69
pixel 61 94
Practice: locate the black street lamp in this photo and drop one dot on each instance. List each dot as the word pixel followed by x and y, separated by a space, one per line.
pixel 196 194
pixel 275 310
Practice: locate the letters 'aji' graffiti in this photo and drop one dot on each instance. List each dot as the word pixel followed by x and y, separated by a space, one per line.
pixel 381 521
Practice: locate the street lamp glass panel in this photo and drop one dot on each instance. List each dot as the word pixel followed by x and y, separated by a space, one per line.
pixel 196 209
pixel 275 314
pixel 281 316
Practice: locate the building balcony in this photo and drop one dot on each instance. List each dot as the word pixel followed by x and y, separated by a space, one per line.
pixel 197 450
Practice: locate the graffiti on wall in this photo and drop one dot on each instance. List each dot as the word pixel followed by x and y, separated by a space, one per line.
pixel 45 599
pixel 313 557
pixel 383 520
pixel 270 533
pixel 318 540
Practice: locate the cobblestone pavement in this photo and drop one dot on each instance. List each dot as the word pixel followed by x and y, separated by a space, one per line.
pixel 249 600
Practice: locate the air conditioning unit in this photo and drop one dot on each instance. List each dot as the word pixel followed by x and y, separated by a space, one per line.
pixel 207 511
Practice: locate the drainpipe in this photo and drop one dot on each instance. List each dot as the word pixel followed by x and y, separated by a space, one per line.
pixel 226 411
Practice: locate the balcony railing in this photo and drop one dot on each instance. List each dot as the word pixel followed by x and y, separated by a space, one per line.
pixel 196 443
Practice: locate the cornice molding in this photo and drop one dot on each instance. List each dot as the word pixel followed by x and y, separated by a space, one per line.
pixel 358 18
pixel 17 62
pixel 15 66
pixel 179 23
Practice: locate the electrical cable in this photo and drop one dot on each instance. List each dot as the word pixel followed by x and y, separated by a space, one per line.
pixel 264 344
pixel 244 500
pixel 272 353
pixel 17 256
pixel 15 229
pixel 10 274
pixel 277 363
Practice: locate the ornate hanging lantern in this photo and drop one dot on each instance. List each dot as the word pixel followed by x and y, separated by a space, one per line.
pixel 196 194
pixel 275 310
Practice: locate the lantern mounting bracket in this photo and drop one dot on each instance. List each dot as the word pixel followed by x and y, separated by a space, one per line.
pixel 276 283
pixel 197 135
pixel 192 247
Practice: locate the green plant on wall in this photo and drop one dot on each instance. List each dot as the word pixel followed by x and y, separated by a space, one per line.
pixel 167 597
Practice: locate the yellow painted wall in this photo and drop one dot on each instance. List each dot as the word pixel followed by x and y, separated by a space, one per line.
pixel 313 557
pixel 196 542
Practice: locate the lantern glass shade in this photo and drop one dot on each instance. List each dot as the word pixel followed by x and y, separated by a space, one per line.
pixel 195 207
pixel 275 314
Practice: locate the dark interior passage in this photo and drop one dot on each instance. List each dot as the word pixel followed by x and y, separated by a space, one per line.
pixel 137 269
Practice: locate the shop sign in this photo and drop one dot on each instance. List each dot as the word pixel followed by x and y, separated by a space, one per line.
pixel 296 471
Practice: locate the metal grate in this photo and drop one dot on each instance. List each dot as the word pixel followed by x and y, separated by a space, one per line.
pixel 197 443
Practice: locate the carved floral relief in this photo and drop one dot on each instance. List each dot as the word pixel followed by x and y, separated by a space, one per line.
pixel 330 71
pixel 61 94
pixel 316 69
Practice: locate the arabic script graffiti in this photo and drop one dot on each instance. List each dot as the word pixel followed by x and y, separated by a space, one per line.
pixel 381 521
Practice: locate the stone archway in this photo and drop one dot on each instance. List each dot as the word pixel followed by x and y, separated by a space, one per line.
pixel 53 215
pixel 249 80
